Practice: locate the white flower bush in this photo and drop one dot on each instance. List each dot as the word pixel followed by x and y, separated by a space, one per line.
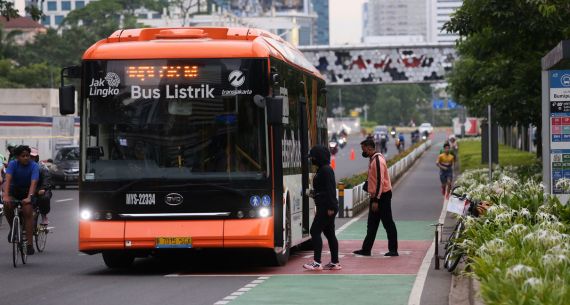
pixel 520 249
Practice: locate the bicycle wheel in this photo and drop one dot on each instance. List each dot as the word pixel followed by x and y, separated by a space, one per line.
pixel 22 244
pixel 452 258
pixel 454 234
pixel 14 239
pixel 41 237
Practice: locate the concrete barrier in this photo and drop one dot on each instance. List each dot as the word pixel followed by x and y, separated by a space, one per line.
pixel 356 199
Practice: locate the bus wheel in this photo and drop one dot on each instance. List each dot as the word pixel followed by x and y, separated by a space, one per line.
pixel 282 257
pixel 118 260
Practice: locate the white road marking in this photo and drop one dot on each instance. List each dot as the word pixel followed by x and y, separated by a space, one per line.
pixel 64 200
pixel 418 288
pixel 234 295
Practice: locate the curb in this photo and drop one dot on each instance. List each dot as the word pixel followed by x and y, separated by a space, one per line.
pixel 465 290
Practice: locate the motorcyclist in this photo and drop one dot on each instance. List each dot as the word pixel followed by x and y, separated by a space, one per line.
pixel 402 141
pixel 393 132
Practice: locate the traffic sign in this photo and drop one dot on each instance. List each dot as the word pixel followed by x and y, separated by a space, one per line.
pixel 451 104
pixel 437 104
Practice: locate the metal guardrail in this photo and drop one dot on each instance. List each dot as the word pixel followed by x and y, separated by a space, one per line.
pixel 356 199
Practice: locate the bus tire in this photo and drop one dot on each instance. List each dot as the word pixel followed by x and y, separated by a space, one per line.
pixel 283 257
pixel 118 260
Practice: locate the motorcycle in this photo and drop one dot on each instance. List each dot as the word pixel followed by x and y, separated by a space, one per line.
pixel 393 133
pixel 342 142
pixel 425 135
pixel 333 147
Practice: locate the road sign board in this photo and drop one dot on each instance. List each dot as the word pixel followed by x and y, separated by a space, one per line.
pixel 437 104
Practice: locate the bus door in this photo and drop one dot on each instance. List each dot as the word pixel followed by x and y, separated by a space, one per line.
pixel 304 139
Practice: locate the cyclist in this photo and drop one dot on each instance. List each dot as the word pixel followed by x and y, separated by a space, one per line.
pixel 445 163
pixel 43 193
pixel 10 148
pixel 22 177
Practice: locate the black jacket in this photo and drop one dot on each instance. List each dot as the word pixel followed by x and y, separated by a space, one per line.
pixel 324 183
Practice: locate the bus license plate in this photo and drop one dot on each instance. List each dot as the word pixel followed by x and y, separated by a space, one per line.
pixel 174 242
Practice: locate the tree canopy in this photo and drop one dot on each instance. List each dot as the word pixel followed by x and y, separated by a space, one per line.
pixel 38 62
pixel 500 51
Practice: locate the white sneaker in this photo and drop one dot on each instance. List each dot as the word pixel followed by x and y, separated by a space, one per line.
pixel 332 266
pixel 314 266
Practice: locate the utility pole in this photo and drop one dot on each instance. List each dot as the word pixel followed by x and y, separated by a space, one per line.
pixel 365 108
pixel 489 128
pixel 340 100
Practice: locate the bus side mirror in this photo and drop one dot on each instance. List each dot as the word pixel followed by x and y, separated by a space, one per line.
pixel 67 92
pixel 274 106
pixel 67 99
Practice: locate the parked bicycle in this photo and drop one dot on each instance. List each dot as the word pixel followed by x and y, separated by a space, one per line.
pixel 454 253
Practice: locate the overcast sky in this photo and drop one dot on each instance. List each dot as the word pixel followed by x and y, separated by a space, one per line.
pixel 345 21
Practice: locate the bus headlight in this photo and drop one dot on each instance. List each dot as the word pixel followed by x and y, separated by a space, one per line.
pixel 263 212
pixel 85 215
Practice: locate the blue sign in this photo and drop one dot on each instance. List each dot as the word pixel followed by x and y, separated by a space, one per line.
pixel 560 79
pixel 266 200
pixel 255 201
pixel 451 104
pixel 437 104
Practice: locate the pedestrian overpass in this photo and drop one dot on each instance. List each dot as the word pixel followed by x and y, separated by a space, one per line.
pixel 368 64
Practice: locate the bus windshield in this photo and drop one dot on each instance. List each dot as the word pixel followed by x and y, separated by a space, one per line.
pixel 174 119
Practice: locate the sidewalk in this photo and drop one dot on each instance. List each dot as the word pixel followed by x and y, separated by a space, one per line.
pixel 374 280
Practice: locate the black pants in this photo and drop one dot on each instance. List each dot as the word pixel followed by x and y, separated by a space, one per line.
pixel 323 223
pixel 383 214
pixel 44 203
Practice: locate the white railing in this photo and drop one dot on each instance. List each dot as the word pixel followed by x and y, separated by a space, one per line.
pixel 356 199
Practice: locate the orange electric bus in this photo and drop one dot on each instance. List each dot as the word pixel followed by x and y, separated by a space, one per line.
pixel 194 138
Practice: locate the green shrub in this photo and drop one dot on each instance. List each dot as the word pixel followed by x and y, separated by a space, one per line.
pixel 520 250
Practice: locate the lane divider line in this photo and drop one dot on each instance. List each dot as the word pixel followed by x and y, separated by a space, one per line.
pixel 418 288
pixel 234 295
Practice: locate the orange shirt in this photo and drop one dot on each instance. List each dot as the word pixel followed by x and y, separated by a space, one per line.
pixel 378 176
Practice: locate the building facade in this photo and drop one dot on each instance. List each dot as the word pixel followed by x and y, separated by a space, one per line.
pixel 440 12
pixel 321 8
pixel 54 11
pixel 296 21
pixel 411 21
pixel 395 21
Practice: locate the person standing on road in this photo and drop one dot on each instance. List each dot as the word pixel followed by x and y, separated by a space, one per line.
pixel 324 194
pixel 379 188
pixel 22 177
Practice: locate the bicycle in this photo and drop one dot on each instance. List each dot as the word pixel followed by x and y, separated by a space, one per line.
pixel 18 238
pixel 453 252
pixel 40 231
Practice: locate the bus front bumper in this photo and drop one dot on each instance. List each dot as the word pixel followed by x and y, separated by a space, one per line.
pixel 97 236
